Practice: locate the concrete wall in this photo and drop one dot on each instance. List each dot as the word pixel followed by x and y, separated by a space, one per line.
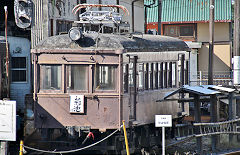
pixel 138 14
pixel 222 51
pixel 221 32
pixel 222 57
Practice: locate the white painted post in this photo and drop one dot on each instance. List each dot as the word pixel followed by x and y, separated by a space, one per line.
pixel 4 147
pixel 200 74
pixel 163 121
pixel 163 140
pixel 236 70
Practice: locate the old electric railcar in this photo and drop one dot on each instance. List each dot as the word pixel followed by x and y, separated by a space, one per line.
pixel 98 81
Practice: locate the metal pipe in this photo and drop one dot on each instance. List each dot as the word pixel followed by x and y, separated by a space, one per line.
pixel 7 54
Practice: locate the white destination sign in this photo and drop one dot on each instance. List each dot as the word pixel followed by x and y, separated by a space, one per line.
pixel 163 120
pixel 76 103
pixel 8 120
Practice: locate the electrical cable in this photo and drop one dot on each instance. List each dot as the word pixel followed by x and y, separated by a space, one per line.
pixel 70 151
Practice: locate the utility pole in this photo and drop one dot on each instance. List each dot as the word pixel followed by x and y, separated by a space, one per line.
pixel 211 43
pixel 159 16
pixel 236 29
pixel 213 99
pixel 233 108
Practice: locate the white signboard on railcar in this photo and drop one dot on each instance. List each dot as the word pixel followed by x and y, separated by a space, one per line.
pixel 163 120
pixel 8 120
pixel 76 103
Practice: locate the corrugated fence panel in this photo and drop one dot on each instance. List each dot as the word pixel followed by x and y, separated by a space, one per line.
pixel 189 10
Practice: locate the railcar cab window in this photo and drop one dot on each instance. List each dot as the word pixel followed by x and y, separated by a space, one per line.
pixel 77 76
pixel 51 77
pixel 105 77
pixel 19 69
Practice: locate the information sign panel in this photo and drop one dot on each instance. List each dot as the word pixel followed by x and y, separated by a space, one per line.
pixel 163 120
pixel 8 120
pixel 76 103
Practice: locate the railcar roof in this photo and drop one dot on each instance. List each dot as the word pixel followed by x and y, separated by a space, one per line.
pixel 133 43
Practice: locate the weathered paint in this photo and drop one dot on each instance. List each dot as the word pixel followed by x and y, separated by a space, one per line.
pixel 112 106
pixel 102 114
pixel 149 43
pixel 189 11
pixel 18 90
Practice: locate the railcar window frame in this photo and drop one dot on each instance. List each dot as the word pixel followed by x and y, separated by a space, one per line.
pixel 115 78
pixel 125 78
pixel 44 90
pixel 140 73
pixel 165 74
pixel 174 74
pixel 86 90
pixel 150 70
pixel 161 79
pixel 146 76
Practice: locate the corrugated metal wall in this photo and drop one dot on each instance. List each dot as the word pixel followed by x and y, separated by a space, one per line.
pixel 39 27
pixel 188 10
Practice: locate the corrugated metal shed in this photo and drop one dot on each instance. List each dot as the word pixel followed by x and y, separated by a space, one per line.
pixel 189 11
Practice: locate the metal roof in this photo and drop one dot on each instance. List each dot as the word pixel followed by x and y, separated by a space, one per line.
pixel 134 43
pixel 220 88
pixel 189 11
pixel 199 90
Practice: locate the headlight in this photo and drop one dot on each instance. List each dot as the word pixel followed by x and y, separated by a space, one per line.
pixel 75 33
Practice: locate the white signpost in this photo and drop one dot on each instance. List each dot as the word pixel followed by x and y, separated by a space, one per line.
pixel 8 120
pixel 163 121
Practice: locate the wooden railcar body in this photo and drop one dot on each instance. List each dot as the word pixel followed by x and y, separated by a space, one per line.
pixel 115 56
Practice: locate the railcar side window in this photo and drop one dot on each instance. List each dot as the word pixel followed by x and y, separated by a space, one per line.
pixel 19 69
pixel 151 76
pixel 51 77
pixel 105 77
pixel 165 75
pixel 77 77
pixel 140 76
pixel 146 77
pixel 160 75
pixel 125 78
pixel 156 76
pixel 130 74
pixel 186 72
pixel 170 74
pixel 174 74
